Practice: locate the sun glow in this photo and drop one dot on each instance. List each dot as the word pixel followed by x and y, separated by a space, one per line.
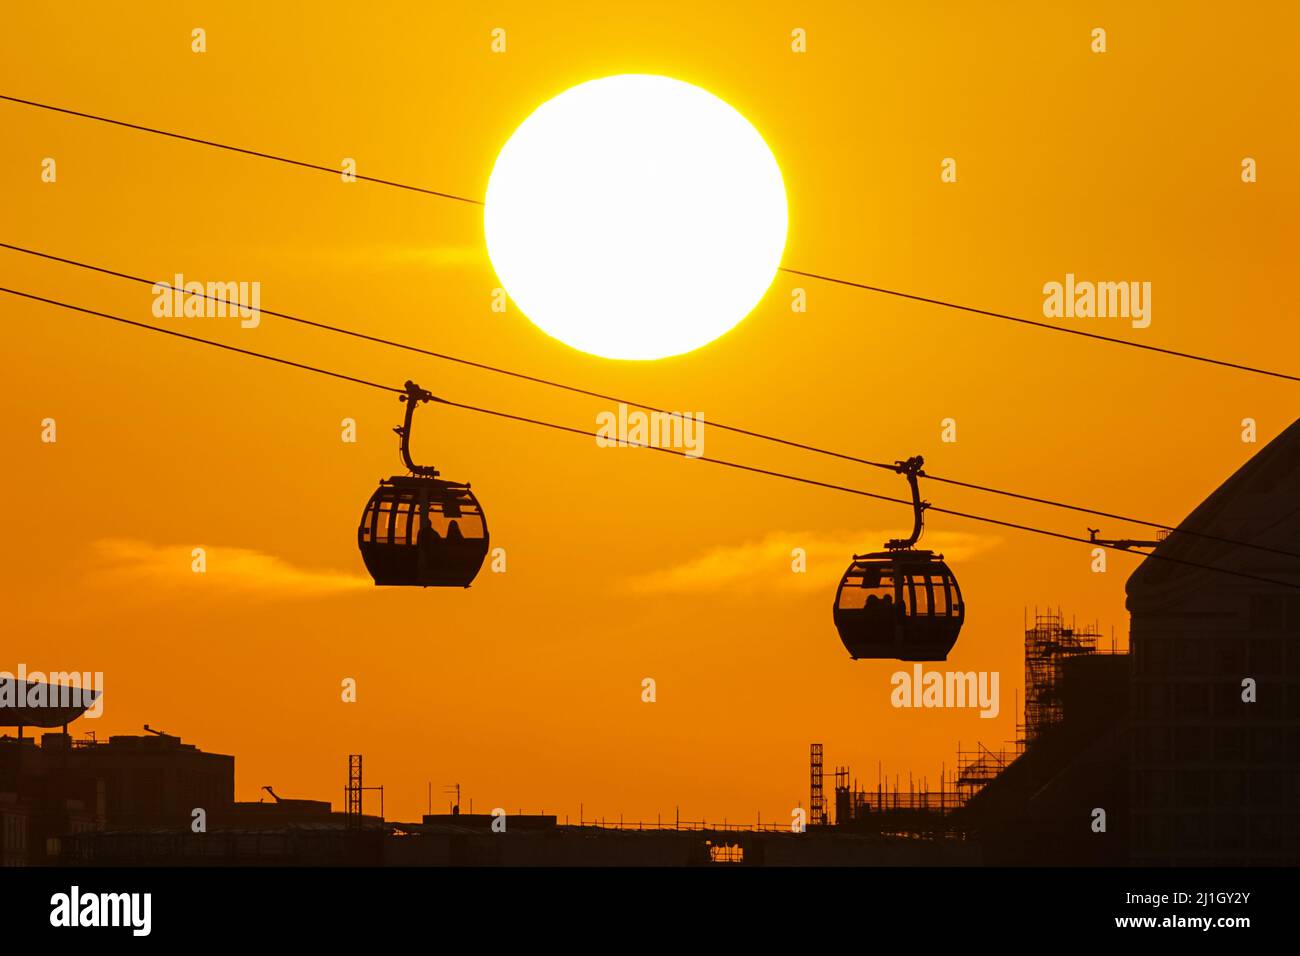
pixel 635 217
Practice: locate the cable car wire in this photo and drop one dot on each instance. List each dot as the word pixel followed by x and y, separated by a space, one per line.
pixel 238 149
pixel 1222 363
pixel 195 338
pixel 740 466
pixel 550 383
pixel 260 154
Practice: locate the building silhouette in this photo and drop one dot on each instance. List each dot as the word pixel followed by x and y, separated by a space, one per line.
pixel 1216 774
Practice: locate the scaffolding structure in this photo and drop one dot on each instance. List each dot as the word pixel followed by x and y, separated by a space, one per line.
pixel 892 810
pixel 1048 644
pixel 916 809
pixel 976 768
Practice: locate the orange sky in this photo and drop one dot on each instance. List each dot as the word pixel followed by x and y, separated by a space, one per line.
pixel 621 564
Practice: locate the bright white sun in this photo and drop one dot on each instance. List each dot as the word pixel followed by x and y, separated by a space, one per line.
pixel 635 217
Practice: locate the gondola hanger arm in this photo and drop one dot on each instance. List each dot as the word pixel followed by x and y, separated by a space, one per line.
pixel 413 396
pixel 911 469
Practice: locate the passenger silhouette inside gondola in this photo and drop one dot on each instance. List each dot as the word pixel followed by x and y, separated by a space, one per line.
pixel 428 533
pixel 880 608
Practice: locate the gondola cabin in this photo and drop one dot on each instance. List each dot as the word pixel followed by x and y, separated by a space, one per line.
pixel 423 532
pixel 899 605
pixel 420 530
